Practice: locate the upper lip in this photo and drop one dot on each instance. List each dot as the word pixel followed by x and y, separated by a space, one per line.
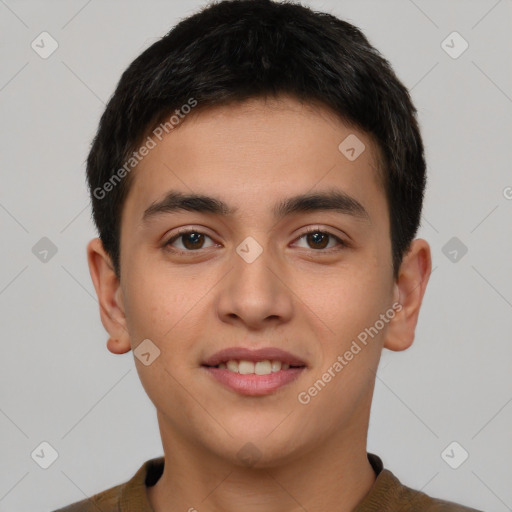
pixel 262 354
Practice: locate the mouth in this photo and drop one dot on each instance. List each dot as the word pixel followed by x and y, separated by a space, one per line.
pixel 254 372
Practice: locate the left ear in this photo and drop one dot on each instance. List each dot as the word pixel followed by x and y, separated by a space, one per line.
pixel 409 290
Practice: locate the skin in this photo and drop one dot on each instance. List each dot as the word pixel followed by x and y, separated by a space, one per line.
pixel 252 155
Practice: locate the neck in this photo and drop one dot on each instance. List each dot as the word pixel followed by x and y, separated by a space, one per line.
pixel 335 476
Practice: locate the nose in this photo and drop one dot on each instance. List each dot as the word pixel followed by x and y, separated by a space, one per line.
pixel 255 292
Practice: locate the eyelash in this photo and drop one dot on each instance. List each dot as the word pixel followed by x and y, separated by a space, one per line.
pixel 341 242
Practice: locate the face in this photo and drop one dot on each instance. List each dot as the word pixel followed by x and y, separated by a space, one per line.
pixel 263 271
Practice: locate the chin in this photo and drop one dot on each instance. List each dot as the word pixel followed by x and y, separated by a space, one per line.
pixel 260 446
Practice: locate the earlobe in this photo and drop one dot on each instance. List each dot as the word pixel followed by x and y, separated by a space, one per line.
pixel 410 288
pixel 108 290
pixel 117 346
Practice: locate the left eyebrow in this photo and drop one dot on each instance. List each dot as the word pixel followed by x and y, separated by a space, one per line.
pixel 319 201
pixel 333 199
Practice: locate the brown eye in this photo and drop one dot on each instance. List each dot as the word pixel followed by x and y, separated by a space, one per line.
pixel 193 240
pixel 190 241
pixel 318 240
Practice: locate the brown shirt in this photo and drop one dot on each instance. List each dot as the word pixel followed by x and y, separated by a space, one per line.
pixel 386 495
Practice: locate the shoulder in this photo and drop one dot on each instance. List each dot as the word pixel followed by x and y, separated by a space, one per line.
pixel 388 494
pixel 106 501
pixel 419 501
pixel 131 494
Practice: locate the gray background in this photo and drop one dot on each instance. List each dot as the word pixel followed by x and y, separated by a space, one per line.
pixel 58 382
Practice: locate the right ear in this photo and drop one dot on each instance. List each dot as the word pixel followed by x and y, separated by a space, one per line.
pixel 110 297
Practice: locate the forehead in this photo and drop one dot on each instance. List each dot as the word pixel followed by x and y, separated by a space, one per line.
pixel 253 154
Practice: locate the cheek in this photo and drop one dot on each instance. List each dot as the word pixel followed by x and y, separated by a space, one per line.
pixel 153 307
pixel 345 299
pixel 350 304
pixel 169 310
pixel 156 311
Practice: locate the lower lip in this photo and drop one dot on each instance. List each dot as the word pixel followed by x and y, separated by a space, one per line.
pixel 252 384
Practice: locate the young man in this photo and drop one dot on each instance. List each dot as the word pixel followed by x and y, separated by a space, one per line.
pixel 257 182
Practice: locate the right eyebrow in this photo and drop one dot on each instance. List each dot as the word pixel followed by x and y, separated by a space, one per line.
pixel 175 201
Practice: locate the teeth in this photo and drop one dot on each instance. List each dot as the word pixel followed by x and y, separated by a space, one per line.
pixel 263 368
pixel 232 366
pixel 276 366
pixel 243 367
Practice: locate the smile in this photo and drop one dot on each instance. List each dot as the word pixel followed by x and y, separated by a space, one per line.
pixel 254 372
